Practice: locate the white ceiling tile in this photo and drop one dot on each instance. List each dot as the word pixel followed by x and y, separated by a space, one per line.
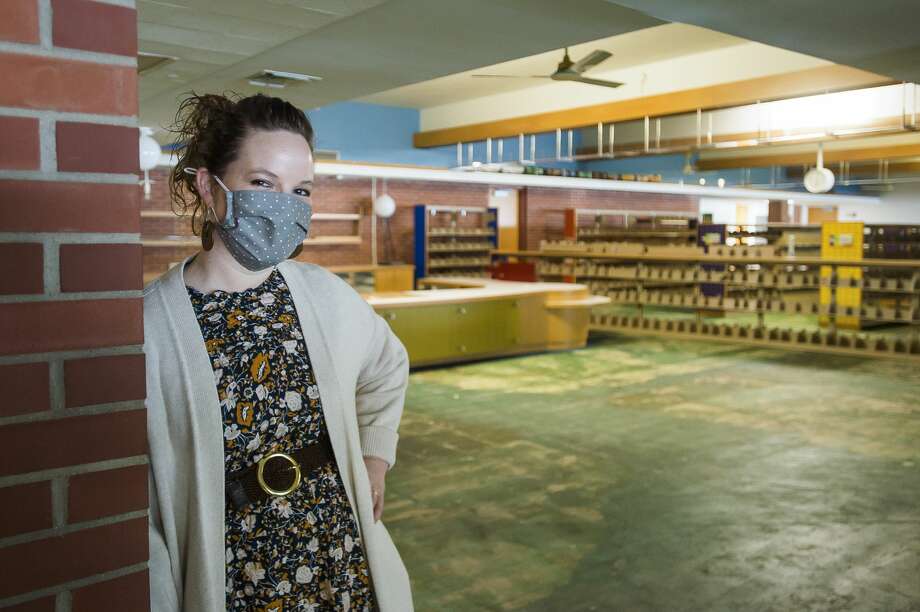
pixel 258 11
pixel 185 53
pixel 200 40
pixel 192 19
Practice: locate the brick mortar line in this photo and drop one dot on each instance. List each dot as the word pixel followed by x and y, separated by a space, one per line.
pixel 59 486
pixel 71 237
pixel 75 296
pixel 41 534
pixel 45 25
pixel 51 272
pixel 63 53
pixel 56 388
pixel 66 116
pixel 63 590
pixel 73 470
pixel 66 413
pixel 70 177
pixel 47 140
pixel 47 356
pixel 124 3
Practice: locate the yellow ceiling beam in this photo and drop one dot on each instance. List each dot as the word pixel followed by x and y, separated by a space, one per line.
pixel 792 84
pixel 800 159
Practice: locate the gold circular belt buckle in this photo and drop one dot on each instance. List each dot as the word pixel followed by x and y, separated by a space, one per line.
pixel 261 476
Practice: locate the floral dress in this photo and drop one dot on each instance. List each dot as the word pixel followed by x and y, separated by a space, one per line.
pixel 301 552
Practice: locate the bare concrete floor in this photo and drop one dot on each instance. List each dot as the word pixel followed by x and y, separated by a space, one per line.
pixel 650 474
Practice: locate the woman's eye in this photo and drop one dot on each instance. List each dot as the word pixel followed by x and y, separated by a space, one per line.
pixel 261 183
pixel 304 193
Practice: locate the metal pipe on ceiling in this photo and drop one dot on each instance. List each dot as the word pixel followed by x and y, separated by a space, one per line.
pixel 600 139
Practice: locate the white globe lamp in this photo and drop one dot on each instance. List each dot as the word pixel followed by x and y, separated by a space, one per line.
pixel 385 207
pixel 150 152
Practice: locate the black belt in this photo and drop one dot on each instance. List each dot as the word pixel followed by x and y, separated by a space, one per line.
pixel 276 474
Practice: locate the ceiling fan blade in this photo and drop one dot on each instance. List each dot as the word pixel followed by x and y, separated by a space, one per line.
pixel 588 81
pixel 508 76
pixel 589 61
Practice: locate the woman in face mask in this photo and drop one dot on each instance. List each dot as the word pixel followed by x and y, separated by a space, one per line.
pixel 274 390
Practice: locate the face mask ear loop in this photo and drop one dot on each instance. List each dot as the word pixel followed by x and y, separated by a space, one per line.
pixel 210 207
pixel 228 219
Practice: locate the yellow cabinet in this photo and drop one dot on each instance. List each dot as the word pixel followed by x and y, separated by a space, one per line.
pixel 425 332
pixel 484 327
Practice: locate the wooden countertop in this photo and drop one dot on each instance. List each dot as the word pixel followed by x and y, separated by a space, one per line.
pixel 366 267
pixel 464 290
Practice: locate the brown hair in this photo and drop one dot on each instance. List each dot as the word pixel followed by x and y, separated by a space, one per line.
pixel 211 128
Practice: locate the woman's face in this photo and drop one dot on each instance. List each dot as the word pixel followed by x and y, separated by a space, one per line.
pixel 276 160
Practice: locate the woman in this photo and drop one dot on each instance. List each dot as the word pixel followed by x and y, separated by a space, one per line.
pixel 274 390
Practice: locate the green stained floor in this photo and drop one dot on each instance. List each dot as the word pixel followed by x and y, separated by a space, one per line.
pixel 661 475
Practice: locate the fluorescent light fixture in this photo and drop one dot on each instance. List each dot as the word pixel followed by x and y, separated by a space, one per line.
pixel 295 76
pixel 732 144
pixel 794 137
pixel 864 130
pixel 279 79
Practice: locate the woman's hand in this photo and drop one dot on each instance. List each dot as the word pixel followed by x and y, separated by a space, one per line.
pixel 377 473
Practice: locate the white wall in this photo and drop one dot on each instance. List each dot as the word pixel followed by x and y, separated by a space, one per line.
pixel 745 61
pixel 725 210
pixel 899 206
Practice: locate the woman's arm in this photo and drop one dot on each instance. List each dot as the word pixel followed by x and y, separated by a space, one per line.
pixel 381 391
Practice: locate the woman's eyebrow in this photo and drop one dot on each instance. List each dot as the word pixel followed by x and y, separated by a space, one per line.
pixel 275 176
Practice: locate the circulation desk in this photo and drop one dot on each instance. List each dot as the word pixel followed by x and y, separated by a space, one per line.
pixel 462 319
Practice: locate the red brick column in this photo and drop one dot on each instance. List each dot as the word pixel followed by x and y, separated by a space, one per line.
pixel 73 474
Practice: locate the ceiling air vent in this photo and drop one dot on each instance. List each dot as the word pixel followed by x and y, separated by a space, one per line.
pixel 149 61
pixel 278 79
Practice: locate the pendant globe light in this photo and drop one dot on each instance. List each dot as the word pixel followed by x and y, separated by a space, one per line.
pixel 385 207
pixel 150 152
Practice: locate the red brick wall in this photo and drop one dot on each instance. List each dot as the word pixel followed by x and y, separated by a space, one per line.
pixel 350 195
pixel 73 438
pixel 545 219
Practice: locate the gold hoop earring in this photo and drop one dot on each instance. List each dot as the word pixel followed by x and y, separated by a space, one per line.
pixel 207 236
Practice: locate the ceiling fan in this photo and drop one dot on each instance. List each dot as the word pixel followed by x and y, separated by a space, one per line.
pixel 568 70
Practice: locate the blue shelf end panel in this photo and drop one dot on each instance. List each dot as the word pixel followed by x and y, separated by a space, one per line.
pixel 421 241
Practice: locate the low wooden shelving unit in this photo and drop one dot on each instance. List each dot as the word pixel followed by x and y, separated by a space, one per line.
pixel 757 282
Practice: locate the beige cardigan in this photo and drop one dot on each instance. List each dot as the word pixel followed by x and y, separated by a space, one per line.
pixel 362 372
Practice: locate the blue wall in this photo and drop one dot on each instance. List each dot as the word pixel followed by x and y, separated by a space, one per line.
pixel 373 133
pixel 378 133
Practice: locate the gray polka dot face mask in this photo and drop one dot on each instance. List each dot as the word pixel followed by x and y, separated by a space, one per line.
pixel 262 228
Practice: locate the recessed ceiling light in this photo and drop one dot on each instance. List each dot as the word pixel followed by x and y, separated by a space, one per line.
pixel 279 79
